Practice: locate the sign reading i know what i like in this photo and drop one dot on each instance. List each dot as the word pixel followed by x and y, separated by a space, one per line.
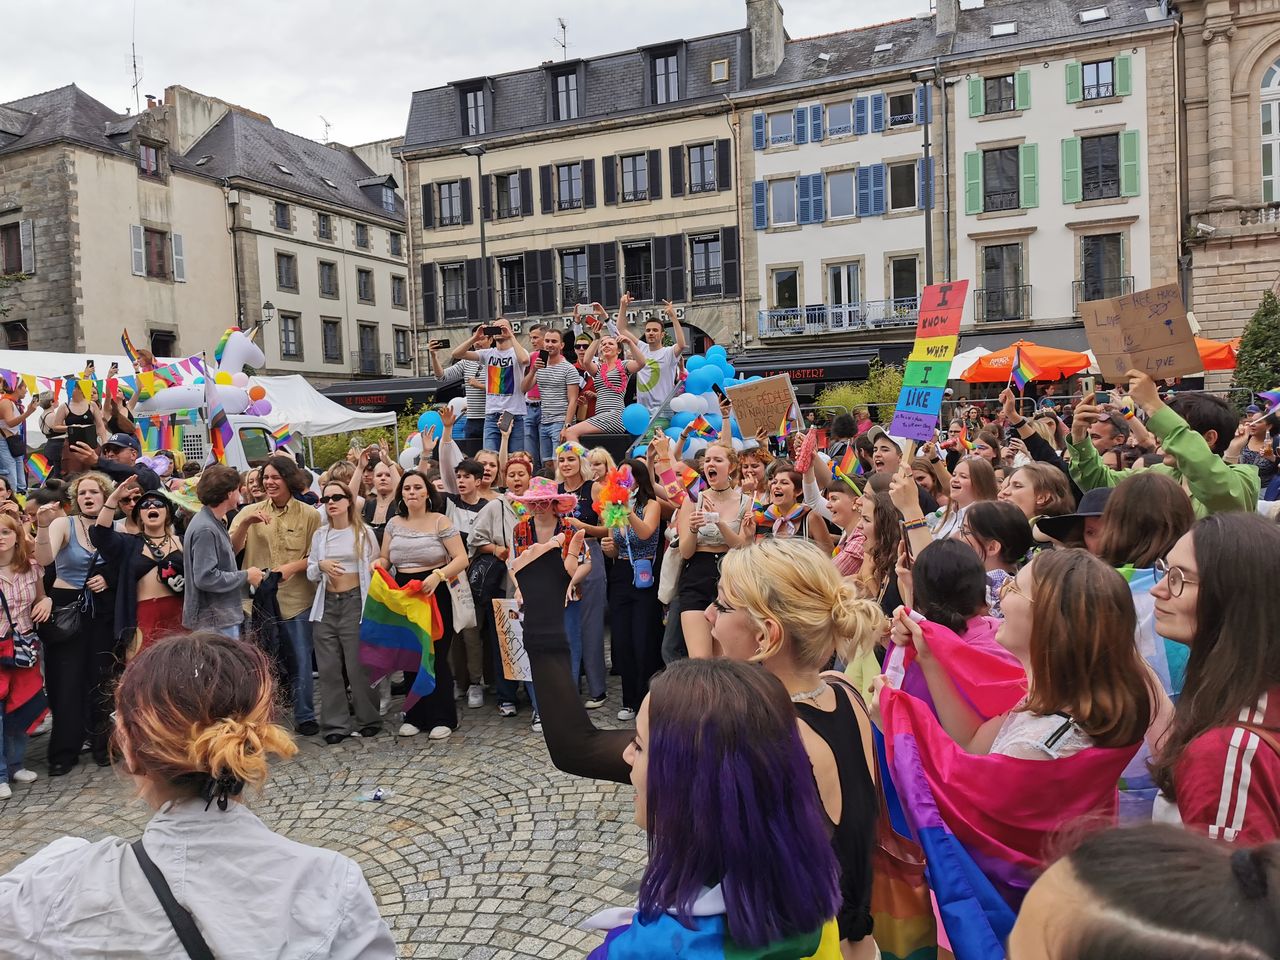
pixel 928 366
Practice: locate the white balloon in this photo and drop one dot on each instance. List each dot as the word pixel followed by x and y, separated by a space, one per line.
pixel 240 352
pixel 687 403
pixel 458 405
pixel 738 444
pixel 695 446
pixel 409 458
pixel 415 441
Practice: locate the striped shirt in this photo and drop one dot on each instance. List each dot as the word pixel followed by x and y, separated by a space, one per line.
pixel 20 594
pixel 464 371
pixel 554 381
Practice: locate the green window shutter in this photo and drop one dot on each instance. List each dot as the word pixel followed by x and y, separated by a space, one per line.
pixel 1029 176
pixel 1071 189
pixel 977 97
pixel 1130 164
pixel 1075 82
pixel 1124 75
pixel 1022 90
pixel 973 182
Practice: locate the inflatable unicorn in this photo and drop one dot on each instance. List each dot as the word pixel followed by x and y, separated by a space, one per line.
pixel 234 352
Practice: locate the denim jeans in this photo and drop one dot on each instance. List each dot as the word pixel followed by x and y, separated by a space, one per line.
pixel 11 469
pixel 301 684
pixel 13 748
pixel 233 632
pixel 475 428
pixel 584 625
pixel 549 438
pixel 532 426
pixel 493 439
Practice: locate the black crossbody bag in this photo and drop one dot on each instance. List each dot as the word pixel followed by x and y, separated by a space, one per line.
pixel 184 925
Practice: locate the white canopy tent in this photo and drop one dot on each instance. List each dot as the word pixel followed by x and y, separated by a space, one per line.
pixel 963 361
pixel 310 413
pixel 44 364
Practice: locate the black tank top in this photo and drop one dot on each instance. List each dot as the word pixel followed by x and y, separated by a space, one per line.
pixel 370 505
pixel 585 510
pixel 853 838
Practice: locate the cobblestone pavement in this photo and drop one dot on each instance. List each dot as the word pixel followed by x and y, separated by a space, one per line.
pixel 483 851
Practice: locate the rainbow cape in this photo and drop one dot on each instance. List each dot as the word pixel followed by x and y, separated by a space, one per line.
pixel 220 431
pixel 699 427
pixel 38 467
pixel 1272 397
pixel 1024 369
pixel 985 821
pixel 398 631
pixel 630 938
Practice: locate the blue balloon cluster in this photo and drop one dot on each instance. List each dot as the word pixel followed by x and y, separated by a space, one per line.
pixel 635 418
pixel 429 419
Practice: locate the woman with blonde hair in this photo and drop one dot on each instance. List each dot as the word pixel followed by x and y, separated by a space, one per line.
pixel 585 614
pixel 341 565
pixel 1038 490
pixel 601 461
pixel 192 746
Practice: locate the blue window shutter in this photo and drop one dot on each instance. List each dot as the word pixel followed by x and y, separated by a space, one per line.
pixel 815 123
pixel 817 204
pixel 801 123
pixel 760 204
pixel 802 199
pixel 924 189
pixel 924 103
pixel 877 112
pixel 860 106
pixel 879 173
pixel 757 130
pixel 862 181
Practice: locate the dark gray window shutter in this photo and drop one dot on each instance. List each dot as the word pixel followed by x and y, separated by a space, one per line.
pixel 661 287
pixel 724 164
pixel 729 261
pixel 547 280
pixel 27 245
pixel 655 174
pixel 464 197
pixel 526 192
pixel 486 198
pixel 677 171
pixel 609 174
pixel 675 268
pixel 588 183
pixel 595 271
pixel 428 294
pixel 611 297
pixel 544 184
pixel 471 271
pixel 428 215
pixel 532 289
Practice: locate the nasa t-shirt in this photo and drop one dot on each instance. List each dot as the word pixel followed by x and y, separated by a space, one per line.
pixel 502 375
pixel 656 380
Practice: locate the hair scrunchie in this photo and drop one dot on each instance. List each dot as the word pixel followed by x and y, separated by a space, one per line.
pixel 221 788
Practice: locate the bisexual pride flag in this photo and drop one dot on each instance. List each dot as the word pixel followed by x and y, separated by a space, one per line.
pixel 398 631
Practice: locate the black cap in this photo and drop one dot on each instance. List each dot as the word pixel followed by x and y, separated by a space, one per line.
pixel 123 440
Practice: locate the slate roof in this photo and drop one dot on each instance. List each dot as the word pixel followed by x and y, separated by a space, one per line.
pixel 1042 20
pixel 64 114
pixel 853 51
pixel 254 149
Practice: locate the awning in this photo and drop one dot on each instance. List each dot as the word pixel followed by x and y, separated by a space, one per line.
pixel 1062 338
pixel 815 368
pixel 376 395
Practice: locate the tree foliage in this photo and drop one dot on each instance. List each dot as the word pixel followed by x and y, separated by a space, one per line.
pixel 1258 360
pixel 7 280
pixel 329 450
pixel 879 392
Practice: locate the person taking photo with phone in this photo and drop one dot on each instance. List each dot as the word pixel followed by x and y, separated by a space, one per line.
pixel 502 368
pixel 558 383
pixel 657 380
pixel 471 375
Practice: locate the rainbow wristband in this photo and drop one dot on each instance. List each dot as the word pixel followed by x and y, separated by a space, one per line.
pixel 910 525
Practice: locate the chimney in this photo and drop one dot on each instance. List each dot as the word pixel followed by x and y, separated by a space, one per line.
pixel 151 102
pixel 944 19
pixel 768 37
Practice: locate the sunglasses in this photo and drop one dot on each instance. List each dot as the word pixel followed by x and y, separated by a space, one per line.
pixel 334 498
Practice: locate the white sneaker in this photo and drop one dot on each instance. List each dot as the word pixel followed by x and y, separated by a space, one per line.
pixel 409 730
pixel 506 709
pixel 537 723
pixel 5 792
pixel 475 696
pixel 626 714
pixel 595 703
pixel 440 733
pixel 25 776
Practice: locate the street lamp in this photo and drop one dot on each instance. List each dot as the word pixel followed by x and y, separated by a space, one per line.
pixel 477 150
pixel 268 312
pixel 928 79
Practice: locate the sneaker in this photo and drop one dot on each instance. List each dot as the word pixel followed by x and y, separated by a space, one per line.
pixel 537 723
pixel 409 730
pixel 25 776
pixel 334 738
pixel 475 696
pixel 5 792
pixel 440 733
pixel 626 714
pixel 506 709
pixel 595 703
pixel 308 728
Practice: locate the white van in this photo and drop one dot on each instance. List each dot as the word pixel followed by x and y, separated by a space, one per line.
pixel 250 447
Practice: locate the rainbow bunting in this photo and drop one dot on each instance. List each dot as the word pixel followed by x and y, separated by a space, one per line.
pixel 399 630
pixel 38 467
pixel 220 431
pixel 1272 397
pixel 1024 369
pixel 699 427
pixel 282 435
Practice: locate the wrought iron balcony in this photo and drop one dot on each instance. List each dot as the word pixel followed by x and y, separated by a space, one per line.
pixel 513 301
pixel 450 219
pixel 1000 200
pixel 571 293
pixel 707 283
pixel 902 119
pixel 1098 288
pixel 1099 91
pixel 369 363
pixel 869 315
pixel 999 105
pixel 705 185
pixel 993 304
pixel 455 306
pixel 631 196
pixel 569 203
pixel 1101 189
pixel 641 287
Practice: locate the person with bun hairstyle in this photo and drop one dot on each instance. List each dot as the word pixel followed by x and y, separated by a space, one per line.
pixel 195 726
pixel 1153 892
pixel 1000 535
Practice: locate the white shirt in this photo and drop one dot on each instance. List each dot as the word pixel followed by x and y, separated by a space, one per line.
pixel 502 373
pixel 657 381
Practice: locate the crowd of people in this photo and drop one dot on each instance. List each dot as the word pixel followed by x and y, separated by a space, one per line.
pixel 1066 615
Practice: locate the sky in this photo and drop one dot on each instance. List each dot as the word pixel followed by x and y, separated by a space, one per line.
pixel 357 62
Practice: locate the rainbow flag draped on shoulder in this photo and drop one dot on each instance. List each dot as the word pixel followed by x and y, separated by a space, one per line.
pixel 398 631
pixel 984 821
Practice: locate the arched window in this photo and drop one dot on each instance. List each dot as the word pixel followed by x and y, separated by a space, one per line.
pixel 1270 92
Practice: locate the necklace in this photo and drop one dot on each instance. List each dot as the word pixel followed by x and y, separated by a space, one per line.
pixel 813 694
pixel 155 547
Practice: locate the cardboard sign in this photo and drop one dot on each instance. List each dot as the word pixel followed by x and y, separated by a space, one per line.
pixel 515 659
pixel 929 365
pixel 1146 331
pixel 763 404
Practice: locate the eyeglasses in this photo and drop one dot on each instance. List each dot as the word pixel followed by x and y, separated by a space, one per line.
pixel 1011 586
pixel 334 498
pixel 1177 579
pixel 128 500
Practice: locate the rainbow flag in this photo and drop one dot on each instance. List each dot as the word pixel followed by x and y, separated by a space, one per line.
pixel 398 631
pixel 501 381
pixel 220 431
pixel 707 939
pixel 786 428
pixel 982 852
pixel 38 467
pixel 850 464
pixel 1272 397
pixel 1024 369
pixel 282 435
pixel 130 350
pixel 699 427
pixel 965 442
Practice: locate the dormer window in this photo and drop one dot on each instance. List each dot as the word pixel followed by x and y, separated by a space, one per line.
pixel 283 169
pixel 566 95
pixel 149 160
pixel 664 76
pixel 475 106
pixel 1007 29
pixel 388 200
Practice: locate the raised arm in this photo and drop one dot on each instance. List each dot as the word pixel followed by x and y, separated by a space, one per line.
pixel 677 331
pixel 466 349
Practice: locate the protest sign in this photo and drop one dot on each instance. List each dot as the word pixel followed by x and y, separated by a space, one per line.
pixel 515 659
pixel 937 332
pixel 764 404
pixel 1146 331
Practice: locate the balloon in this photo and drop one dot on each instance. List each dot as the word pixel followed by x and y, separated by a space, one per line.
pixel 754 379
pixel 682 419
pixel 222 378
pixel 257 392
pixel 686 403
pixel 264 407
pixel 459 406
pixel 635 418
pixel 252 410
pixel 239 351
pixel 414 441
pixel 695 363
pixel 717 352
pixel 715 373
pixel 716 421
pixel 198 380
pixel 240 379
pixel 233 399
pixel 409 458
pixel 699 381
pixel 734 428
pixel 640 451
pixel 695 445
pixel 732 382
pixel 429 418
pixel 728 368
pixel 182 397
pixel 672 432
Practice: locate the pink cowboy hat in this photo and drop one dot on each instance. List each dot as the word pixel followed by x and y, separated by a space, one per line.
pixel 542 490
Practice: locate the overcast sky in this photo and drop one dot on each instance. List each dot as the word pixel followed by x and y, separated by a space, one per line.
pixel 354 62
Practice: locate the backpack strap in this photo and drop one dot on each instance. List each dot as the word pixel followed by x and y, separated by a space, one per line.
pixel 1266 736
pixel 184 925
